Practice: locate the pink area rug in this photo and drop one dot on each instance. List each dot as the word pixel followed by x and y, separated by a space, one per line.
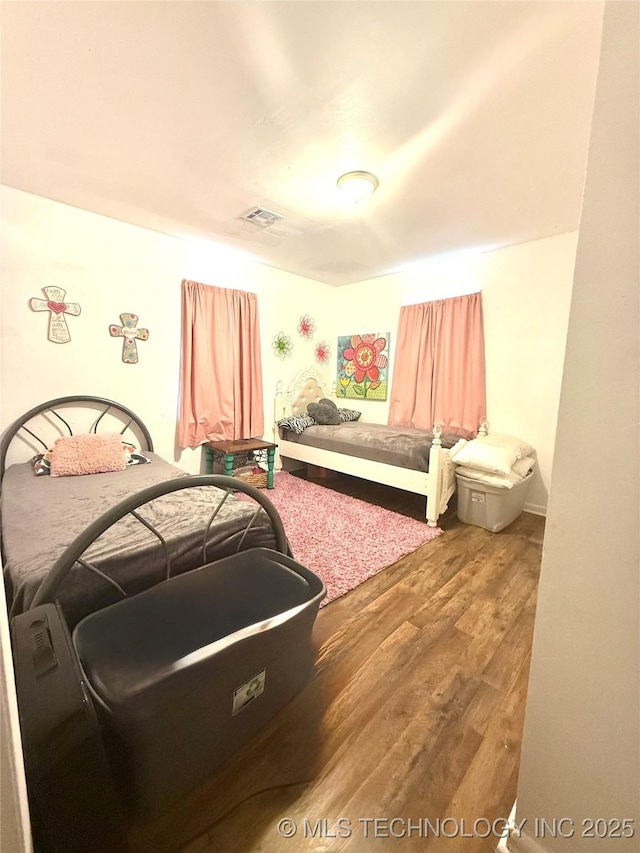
pixel 342 539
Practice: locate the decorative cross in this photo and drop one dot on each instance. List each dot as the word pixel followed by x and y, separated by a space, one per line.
pixel 58 329
pixel 129 332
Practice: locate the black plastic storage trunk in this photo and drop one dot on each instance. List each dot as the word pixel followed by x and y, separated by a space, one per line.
pixel 72 798
pixel 184 673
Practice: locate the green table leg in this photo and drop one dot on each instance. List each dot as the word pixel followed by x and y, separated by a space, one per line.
pixel 271 455
pixel 208 460
pixel 228 464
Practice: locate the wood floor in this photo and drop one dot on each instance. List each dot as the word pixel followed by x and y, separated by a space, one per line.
pixel 415 713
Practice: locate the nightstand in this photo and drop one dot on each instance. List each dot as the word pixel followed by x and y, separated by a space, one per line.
pixel 227 451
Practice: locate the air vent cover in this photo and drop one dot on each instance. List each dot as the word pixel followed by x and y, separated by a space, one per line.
pixel 261 216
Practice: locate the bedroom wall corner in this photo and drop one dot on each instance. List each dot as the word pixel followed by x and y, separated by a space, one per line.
pixel 526 295
pixel 110 267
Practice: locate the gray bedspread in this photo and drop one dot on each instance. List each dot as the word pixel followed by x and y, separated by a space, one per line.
pixel 41 516
pixel 405 447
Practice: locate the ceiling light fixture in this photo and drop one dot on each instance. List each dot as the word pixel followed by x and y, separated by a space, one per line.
pixel 357 187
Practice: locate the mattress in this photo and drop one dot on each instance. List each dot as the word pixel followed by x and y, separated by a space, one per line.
pixel 41 516
pixel 405 447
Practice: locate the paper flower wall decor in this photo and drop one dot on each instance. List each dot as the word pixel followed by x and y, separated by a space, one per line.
pixel 306 327
pixel 282 345
pixel 322 353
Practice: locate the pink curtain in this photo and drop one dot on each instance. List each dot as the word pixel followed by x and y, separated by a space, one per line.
pixel 221 367
pixel 439 371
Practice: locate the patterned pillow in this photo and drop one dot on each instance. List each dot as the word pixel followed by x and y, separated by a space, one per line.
pixel 132 456
pixel 42 464
pixel 348 415
pixel 297 423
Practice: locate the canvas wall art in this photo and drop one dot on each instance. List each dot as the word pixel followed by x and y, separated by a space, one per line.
pixel 363 366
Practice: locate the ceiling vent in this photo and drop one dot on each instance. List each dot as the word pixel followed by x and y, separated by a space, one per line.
pixel 262 217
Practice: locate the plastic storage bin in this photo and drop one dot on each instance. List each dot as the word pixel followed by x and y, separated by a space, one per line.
pixel 488 506
pixel 184 673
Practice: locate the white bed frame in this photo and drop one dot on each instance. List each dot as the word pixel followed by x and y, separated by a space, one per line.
pixel 438 485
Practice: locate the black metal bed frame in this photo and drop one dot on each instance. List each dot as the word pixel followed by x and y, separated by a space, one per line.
pixel 73 553
pixel 50 407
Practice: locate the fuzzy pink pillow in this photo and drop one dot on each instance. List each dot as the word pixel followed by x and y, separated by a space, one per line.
pixel 87 454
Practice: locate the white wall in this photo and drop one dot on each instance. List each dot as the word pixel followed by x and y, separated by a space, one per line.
pixel 110 267
pixel 581 747
pixel 526 291
pixel 526 296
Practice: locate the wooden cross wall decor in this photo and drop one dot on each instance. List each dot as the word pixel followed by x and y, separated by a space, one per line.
pixel 54 303
pixel 130 333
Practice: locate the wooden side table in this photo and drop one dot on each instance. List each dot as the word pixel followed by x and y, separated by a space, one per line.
pixel 228 450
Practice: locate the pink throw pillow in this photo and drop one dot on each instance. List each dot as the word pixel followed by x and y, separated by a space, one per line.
pixel 87 454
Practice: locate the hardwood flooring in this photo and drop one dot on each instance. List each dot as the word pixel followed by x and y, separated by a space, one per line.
pixel 415 712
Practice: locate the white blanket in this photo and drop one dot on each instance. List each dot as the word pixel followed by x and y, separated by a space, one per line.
pixel 519 471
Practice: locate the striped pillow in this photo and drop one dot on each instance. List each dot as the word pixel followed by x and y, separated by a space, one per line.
pixel 348 415
pixel 297 423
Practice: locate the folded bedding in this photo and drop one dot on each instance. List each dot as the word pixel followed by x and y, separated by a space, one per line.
pixel 496 459
pixel 521 469
pixel 41 516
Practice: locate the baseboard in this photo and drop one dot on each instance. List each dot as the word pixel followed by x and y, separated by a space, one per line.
pixel 535 509
pixel 291 465
pixel 319 473
pixel 503 845
pixel 517 841
pixel 522 843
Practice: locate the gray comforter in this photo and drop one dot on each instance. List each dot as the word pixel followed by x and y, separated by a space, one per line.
pixel 41 516
pixel 405 447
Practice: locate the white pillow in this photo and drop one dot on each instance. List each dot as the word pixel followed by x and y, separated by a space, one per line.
pixel 460 443
pixel 501 439
pixel 485 457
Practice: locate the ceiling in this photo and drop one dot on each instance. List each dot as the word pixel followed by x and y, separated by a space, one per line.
pixel 180 116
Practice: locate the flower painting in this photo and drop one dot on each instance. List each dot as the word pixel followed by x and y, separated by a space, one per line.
pixel 363 362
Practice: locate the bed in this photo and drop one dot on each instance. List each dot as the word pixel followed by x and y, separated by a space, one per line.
pixel 88 541
pixel 411 459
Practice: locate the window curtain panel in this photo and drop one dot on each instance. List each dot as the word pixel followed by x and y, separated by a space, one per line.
pixel 439 366
pixel 221 367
